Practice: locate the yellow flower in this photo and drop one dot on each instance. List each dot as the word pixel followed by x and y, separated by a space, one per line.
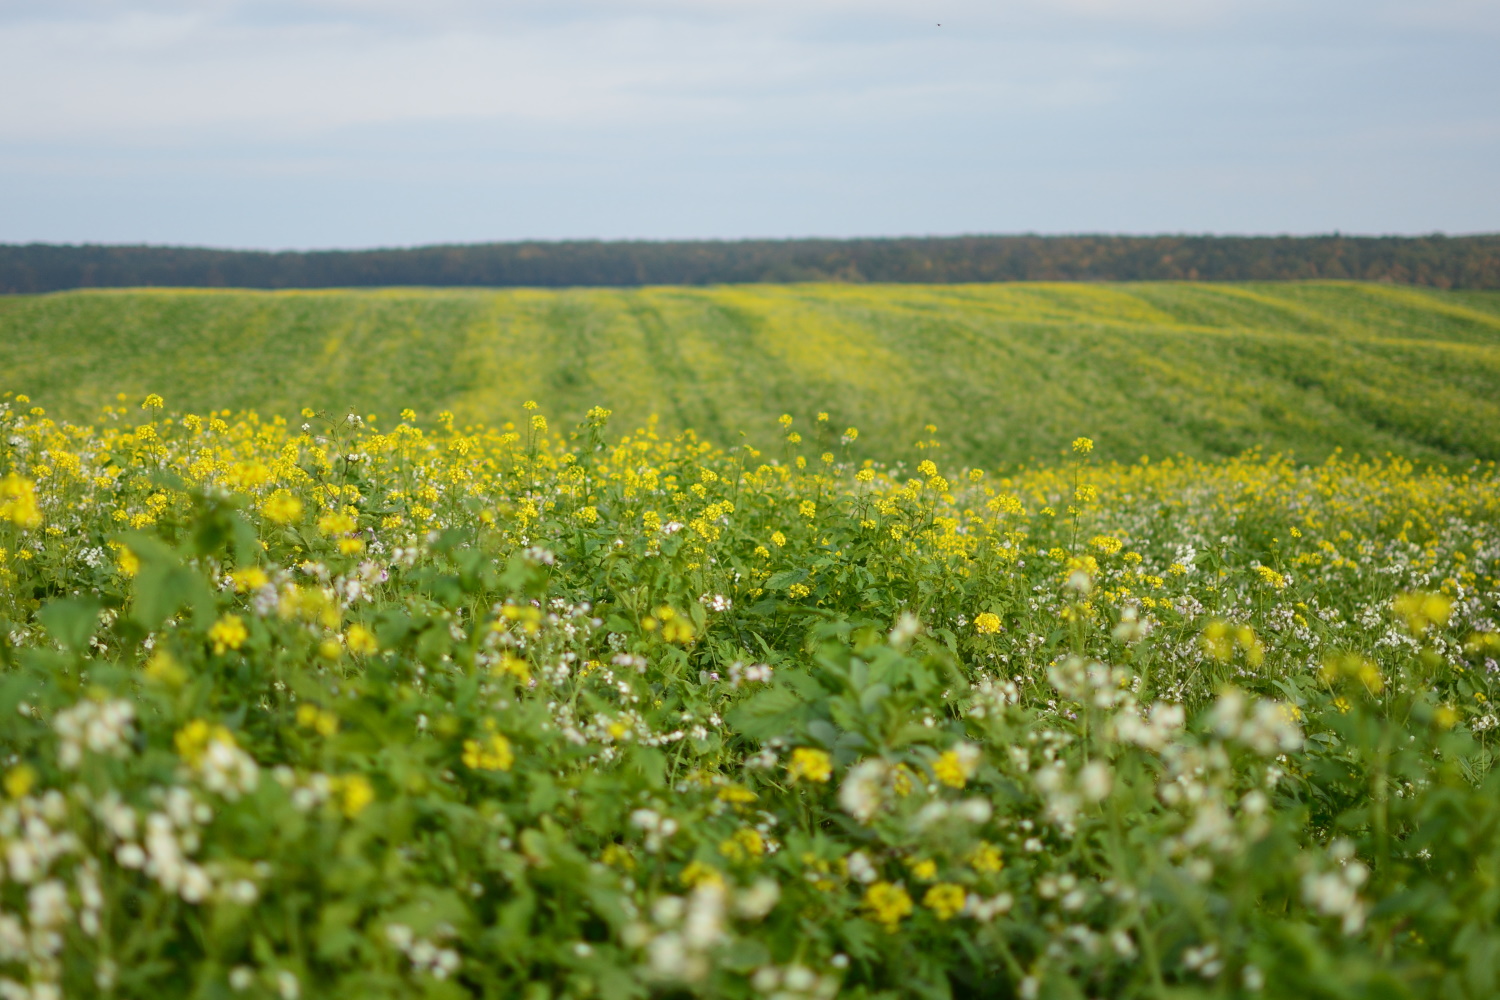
pixel 361 641
pixel 986 859
pixel 20 780
pixel 227 633
pixel 807 508
pixel 127 561
pixel 619 857
pixel 1270 576
pixel 778 539
pixel 697 873
pixel 320 719
pixel 945 900
pixel 987 623
pixel 493 753
pixel 193 739
pixel 674 627
pixel 1421 610
pixel 744 845
pixel 18 502
pixel 1105 544
pixel 250 578
pixel 924 870
pixel 1082 446
pixel 887 904
pixel 810 764
pixel 954 767
pixel 282 508
pixel 337 524
pixel 512 666
pixel 355 794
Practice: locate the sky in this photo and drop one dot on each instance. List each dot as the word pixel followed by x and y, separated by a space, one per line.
pixel 361 123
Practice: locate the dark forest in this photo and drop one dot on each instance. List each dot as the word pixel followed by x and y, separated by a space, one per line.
pixel 1434 261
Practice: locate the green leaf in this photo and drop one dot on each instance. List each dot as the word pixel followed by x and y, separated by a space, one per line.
pixel 72 621
pixel 784 579
pixel 770 713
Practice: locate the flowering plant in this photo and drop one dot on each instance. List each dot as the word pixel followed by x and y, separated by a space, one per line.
pixel 459 711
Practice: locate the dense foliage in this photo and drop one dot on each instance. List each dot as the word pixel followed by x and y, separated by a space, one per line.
pixel 334 710
pixel 1009 372
pixel 1439 261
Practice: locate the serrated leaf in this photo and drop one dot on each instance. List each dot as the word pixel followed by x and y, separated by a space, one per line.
pixel 784 579
pixel 770 713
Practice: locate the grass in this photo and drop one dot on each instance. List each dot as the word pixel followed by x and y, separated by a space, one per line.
pixel 1007 372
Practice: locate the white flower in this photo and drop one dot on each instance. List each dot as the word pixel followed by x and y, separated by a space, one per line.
pixel 758 900
pixel 704 924
pixel 100 727
pixel 1095 781
pixel 860 869
pixel 905 630
pixel 47 905
pixel 859 795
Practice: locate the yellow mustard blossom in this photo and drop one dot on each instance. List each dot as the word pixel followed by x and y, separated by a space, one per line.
pixel 249 578
pixel 194 739
pixel 18 503
pixel 322 721
pixel 887 904
pixel 1420 611
pixel 987 623
pixel 492 753
pixel 355 794
pixel 618 856
pixel 808 764
pixel 228 633
pixel 20 780
pixel 986 859
pixel 674 627
pixel 745 844
pixel 697 873
pixel 954 767
pixel 945 900
pixel 924 870
pixel 361 641
pixel 282 508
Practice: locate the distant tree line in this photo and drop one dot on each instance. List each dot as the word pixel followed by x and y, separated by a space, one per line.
pixel 1438 261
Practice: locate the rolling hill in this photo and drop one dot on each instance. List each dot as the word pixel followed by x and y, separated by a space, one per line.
pixel 1007 372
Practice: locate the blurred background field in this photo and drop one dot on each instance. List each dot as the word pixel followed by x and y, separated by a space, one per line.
pixel 1008 372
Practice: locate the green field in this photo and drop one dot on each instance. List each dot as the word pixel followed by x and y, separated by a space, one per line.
pixel 1007 372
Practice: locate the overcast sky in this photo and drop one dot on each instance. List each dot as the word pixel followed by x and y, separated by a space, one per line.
pixel 350 123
